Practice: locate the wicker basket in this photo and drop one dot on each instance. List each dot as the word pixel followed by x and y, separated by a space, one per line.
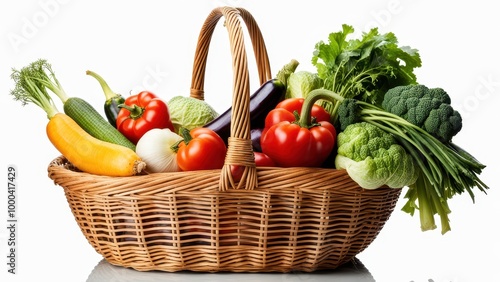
pixel 272 220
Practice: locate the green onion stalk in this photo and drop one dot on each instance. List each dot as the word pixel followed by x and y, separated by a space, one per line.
pixel 446 169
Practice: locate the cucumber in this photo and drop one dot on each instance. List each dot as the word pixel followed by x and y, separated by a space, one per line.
pixel 94 123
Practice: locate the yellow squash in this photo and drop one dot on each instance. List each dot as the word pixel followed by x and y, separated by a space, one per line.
pixel 90 154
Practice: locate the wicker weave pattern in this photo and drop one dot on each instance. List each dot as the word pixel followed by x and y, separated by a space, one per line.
pixel 273 220
pixel 298 219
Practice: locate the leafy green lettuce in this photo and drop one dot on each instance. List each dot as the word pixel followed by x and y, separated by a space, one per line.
pixel 364 68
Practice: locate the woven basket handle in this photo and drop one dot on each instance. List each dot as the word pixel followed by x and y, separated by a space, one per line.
pixel 240 151
pixel 201 54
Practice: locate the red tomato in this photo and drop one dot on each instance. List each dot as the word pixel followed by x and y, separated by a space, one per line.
pixel 201 149
pixel 261 160
pixel 140 113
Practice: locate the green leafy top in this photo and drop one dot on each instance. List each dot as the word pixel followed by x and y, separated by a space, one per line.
pixel 364 68
pixel 31 84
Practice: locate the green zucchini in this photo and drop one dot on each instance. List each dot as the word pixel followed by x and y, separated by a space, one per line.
pixel 94 123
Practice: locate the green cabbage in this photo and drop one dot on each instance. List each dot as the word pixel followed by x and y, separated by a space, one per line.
pixel 189 112
pixel 373 158
pixel 300 83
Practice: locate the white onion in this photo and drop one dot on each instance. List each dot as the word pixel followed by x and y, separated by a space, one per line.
pixel 154 149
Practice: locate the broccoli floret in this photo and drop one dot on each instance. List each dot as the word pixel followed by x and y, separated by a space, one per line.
pixel 443 122
pixel 347 113
pixel 428 108
pixel 373 158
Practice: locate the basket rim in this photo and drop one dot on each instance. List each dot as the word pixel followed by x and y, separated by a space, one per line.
pixel 309 180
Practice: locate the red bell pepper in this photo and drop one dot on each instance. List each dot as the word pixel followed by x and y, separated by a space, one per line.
pixel 141 113
pixel 285 111
pixel 201 148
pixel 291 140
pixel 296 104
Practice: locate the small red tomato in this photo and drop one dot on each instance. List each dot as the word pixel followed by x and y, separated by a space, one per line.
pixel 202 148
pixel 261 160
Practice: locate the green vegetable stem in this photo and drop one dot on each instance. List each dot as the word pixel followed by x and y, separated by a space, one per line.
pixel 113 100
pixel 446 169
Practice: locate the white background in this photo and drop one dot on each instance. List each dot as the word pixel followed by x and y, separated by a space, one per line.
pixel 150 44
